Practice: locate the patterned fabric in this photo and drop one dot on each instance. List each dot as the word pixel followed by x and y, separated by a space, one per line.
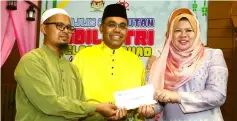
pixel 203 94
pixel 198 74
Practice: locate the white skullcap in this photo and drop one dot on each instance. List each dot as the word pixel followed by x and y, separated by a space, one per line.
pixel 50 12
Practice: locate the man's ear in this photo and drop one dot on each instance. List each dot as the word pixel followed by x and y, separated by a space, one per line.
pixel 43 28
pixel 166 34
pixel 101 28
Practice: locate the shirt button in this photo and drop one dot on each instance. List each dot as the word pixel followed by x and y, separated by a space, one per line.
pixel 112 67
pixel 112 73
pixel 112 59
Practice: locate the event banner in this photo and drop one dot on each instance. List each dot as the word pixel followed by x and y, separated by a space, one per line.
pixel 147 22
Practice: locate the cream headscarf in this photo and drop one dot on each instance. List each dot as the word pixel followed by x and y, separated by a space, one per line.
pixel 174 67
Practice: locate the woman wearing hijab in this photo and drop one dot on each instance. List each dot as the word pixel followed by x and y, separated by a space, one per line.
pixel 190 79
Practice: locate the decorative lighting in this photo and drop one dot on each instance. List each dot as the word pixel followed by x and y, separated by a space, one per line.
pixel 11 5
pixel 30 14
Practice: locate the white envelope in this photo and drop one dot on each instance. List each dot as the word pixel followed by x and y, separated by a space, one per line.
pixel 135 97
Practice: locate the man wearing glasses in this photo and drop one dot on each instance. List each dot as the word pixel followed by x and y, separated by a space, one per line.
pixel 48 86
pixel 108 67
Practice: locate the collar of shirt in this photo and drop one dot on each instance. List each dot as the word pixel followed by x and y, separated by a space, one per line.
pixel 51 52
pixel 110 51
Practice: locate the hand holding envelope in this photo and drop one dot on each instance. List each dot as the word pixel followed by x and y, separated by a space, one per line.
pixel 136 97
pixel 120 113
pixel 167 96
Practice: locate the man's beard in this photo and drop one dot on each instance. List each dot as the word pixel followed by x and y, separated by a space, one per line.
pixel 63 47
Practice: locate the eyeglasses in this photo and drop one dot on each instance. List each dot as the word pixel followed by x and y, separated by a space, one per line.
pixel 113 25
pixel 60 26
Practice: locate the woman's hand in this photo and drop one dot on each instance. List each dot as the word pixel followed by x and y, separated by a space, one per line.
pixel 167 96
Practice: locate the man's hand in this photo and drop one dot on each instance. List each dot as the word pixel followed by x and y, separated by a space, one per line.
pixel 146 111
pixel 120 113
pixel 167 96
pixel 106 109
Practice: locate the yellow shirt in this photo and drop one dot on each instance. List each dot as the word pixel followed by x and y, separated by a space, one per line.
pixel 104 71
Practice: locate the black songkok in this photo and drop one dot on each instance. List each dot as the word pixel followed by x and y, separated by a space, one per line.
pixel 114 10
